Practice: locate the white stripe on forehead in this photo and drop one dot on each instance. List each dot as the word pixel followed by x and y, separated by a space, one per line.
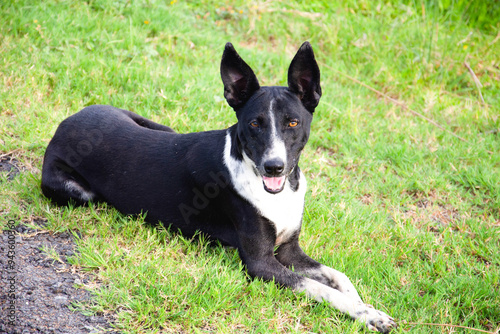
pixel 272 120
pixel 276 148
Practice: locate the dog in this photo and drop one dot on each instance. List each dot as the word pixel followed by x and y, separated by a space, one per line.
pixel 241 186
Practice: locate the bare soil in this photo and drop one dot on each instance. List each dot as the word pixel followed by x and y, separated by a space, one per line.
pixel 43 288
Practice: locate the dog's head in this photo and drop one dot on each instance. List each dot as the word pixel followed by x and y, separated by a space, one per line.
pixel 273 122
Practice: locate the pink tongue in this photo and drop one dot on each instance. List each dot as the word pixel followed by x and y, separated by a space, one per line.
pixel 273 183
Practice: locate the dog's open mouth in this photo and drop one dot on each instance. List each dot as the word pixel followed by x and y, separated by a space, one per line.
pixel 274 184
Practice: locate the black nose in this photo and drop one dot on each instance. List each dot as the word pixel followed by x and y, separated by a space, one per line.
pixel 274 166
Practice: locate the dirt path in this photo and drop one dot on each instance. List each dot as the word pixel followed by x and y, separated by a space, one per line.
pixel 44 288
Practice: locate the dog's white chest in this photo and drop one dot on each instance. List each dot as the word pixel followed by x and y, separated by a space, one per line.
pixel 284 209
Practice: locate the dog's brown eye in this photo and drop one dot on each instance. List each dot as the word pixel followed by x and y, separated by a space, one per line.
pixel 293 123
pixel 254 124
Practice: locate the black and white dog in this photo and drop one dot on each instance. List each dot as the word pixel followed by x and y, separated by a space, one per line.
pixel 242 185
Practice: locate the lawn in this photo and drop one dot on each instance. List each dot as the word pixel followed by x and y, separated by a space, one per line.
pixel 403 162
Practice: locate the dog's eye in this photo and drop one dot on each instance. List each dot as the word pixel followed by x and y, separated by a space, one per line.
pixel 293 123
pixel 254 124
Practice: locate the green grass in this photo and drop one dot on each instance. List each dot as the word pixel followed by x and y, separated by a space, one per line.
pixel 408 211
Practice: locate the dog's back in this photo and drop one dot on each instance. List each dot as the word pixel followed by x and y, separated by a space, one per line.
pixel 108 154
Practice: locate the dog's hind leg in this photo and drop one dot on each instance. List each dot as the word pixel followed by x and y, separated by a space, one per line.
pixel 63 185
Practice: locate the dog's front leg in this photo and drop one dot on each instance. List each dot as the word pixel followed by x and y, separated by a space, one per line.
pixel 323 283
pixel 256 241
pixel 372 318
pixel 269 268
pixel 292 256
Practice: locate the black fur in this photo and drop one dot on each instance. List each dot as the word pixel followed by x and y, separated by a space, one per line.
pixel 108 154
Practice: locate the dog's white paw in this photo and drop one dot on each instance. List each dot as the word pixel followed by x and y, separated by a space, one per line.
pixel 376 320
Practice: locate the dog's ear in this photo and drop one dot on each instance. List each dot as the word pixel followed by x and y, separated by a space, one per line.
pixel 239 80
pixel 303 77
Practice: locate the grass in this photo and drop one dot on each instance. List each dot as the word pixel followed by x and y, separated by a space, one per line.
pixel 408 211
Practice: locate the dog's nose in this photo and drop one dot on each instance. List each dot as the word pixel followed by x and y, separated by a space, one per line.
pixel 274 166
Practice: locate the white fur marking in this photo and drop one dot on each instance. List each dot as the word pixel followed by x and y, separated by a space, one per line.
pixel 277 147
pixel 344 283
pixel 337 299
pixel 74 186
pixel 283 209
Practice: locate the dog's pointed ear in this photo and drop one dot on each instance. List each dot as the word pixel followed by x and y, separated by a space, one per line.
pixel 303 77
pixel 239 80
